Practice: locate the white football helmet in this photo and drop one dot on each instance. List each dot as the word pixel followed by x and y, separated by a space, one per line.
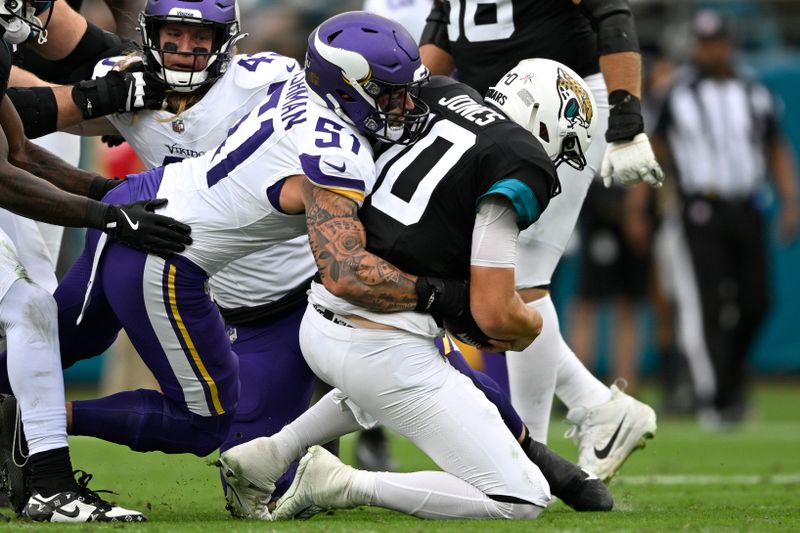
pixel 553 103
pixel 19 20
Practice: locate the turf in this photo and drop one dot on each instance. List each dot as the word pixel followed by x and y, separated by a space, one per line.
pixel 686 479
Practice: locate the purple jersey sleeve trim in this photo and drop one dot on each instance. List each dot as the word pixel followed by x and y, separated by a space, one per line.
pixel 311 168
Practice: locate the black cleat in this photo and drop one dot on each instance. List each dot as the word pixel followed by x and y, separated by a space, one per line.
pixel 372 451
pixel 578 488
pixel 14 469
pixel 78 504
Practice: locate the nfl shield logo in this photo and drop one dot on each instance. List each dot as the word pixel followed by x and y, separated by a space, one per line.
pixel 177 125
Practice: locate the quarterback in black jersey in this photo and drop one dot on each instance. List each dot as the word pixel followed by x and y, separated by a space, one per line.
pixel 597 39
pixel 467 152
pixel 36 184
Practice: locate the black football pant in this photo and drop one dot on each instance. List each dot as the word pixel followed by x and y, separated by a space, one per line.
pixel 727 247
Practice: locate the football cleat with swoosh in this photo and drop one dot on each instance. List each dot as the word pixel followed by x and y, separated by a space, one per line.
pixel 79 504
pixel 609 433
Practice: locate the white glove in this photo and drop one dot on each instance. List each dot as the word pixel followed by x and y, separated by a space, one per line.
pixel 631 162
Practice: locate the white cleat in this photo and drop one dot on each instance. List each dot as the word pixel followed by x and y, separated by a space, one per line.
pixel 250 471
pixel 322 482
pixel 609 433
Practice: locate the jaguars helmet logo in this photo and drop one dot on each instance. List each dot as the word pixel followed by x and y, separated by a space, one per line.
pixel 576 105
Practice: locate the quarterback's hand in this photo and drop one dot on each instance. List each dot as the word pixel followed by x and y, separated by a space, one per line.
pixel 631 162
pixel 137 225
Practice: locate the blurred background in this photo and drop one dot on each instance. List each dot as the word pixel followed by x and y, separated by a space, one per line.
pixel 625 327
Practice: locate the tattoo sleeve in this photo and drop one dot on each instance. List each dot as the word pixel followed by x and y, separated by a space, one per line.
pixel 338 242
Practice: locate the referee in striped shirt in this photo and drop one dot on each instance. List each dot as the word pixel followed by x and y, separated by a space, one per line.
pixel 719 129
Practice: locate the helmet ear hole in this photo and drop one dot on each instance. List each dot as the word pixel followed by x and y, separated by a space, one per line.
pixel 543 133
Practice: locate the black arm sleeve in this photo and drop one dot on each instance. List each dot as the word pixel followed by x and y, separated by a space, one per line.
pixel 79 64
pixel 613 22
pixel 435 31
pixel 37 108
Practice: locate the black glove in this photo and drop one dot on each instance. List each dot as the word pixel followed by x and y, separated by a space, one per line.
pixel 441 297
pixel 137 225
pixel 625 116
pixel 112 140
pixel 447 301
pixel 119 92
pixel 101 185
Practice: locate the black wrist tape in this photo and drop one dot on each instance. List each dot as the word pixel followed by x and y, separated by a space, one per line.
pixel 625 116
pixel 96 214
pixel 99 187
pixel 101 96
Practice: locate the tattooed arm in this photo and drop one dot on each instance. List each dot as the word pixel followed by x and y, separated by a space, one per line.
pixel 338 242
pixel 26 155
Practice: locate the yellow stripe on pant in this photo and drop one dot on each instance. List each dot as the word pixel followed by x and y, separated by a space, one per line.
pixel 173 303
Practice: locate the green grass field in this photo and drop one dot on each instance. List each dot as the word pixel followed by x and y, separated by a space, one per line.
pixel 686 479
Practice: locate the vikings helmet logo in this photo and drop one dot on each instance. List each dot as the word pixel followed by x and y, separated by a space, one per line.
pixel 576 106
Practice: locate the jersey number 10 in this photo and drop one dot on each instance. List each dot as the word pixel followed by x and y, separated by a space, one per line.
pixel 410 179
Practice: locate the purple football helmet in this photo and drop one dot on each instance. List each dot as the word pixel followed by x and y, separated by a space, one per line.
pixel 357 59
pixel 221 16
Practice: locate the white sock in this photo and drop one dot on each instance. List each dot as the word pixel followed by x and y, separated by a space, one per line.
pixel 576 386
pixel 28 315
pixel 546 367
pixel 321 423
pixel 532 372
pixel 435 495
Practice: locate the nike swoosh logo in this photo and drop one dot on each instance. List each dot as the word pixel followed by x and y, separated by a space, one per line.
pixel 602 454
pixel 72 514
pixel 134 225
pixel 339 168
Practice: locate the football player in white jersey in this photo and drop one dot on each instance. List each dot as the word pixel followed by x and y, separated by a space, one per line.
pixel 275 381
pixel 188 47
pixel 242 195
pixel 261 296
pixel 37 184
